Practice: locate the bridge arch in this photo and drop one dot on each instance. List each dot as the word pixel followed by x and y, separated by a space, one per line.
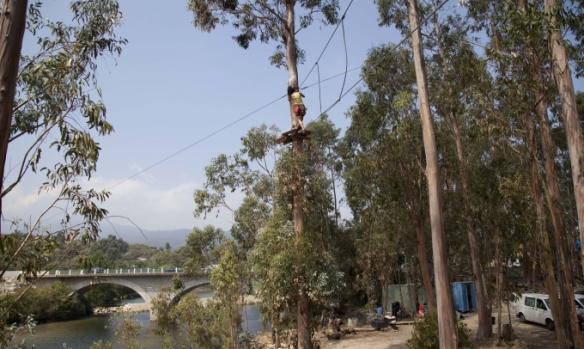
pixel 86 283
pixel 188 287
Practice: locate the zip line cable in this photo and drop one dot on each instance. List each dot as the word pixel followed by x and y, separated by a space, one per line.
pixel 346 58
pixel 198 141
pixel 330 78
pixel 423 21
pixel 274 101
pixel 327 43
pixel 319 89
pixel 219 130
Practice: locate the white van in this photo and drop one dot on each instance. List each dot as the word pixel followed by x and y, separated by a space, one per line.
pixel 534 307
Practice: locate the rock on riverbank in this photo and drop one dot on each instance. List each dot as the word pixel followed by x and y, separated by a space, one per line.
pixel 126 308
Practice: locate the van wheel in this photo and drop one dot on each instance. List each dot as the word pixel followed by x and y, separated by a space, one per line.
pixel 549 324
pixel 521 317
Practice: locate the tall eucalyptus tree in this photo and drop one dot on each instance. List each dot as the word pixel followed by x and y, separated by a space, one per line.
pixel 12 24
pixel 397 11
pixel 274 20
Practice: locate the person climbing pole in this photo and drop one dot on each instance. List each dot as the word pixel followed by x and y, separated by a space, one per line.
pixel 298 107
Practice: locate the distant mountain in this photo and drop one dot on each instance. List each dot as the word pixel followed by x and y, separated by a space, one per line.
pixel 157 238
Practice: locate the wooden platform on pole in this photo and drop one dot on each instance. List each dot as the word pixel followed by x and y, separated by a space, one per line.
pixel 291 135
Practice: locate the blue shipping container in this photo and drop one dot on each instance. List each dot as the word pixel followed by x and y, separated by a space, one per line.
pixel 460 297
pixel 464 296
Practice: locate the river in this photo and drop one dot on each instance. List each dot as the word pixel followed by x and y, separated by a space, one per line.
pixel 80 334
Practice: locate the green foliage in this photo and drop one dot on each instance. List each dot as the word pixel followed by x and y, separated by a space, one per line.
pixel 203 249
pixel 215 324
pixel 101 345
pixel 162 307
pixel 425 334
pixel 38 253
pixel 110 253
pixel 202 326
pixel 9 330
pixel 384 181
pixel 249 171
pixel 229 279
pixel 177 283
pixel 104 252
pixel 260 19
pixel 249 218
pixel 43 304
pixel 128 330
pixel 224 174
pixel 282 265
pixel 56 107
pixel 58 110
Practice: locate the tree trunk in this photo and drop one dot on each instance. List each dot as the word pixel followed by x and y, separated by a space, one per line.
pixel 303 306
pixel 565 316
pixel 275 331
pixel 499 285
pixel 548 260
pixel 12 24
pixel 425 268
pixel 558 273
pixel 446 325
pixel 483 304
pixel 565 85
pixel 541 225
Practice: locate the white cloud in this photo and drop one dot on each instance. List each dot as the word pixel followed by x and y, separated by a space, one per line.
pixel 150 206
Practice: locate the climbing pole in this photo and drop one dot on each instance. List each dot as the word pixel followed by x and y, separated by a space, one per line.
pixel 298 111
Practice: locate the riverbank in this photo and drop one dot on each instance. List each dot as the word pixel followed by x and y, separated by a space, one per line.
pixel 82 333
pixel 125 308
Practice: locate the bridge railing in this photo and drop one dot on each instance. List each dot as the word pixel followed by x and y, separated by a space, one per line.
pixel 111 271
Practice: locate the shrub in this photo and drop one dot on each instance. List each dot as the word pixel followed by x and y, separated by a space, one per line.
pixel 101 345
pixel 425 334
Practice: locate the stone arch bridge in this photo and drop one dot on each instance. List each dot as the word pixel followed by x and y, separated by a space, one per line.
pixel 146 282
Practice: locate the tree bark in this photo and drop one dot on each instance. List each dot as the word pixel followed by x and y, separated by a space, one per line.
pixel 557 258
pixel 12 25
pixel 446 325
pixel 275 331
pixel 541 225
pixel 565 85
pixel 565 317
pixel 485 327
pixel 303 306
pixel 425 268
pixel 483 304
pixel 499 285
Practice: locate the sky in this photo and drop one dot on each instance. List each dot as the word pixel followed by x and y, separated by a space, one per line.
pixel 174 85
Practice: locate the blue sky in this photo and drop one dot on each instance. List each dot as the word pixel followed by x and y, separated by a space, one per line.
pixel 174 84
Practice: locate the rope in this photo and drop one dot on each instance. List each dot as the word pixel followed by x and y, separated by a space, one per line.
pixel 327 43
pixel 319 89
pixel 423 21
pixel 346 58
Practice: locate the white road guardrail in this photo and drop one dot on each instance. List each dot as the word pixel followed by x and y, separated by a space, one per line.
pixel 110 271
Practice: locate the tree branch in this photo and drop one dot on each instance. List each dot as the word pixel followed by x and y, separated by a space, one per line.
pixel 25 164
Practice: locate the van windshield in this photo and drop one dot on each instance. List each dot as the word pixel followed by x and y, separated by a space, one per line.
pixel 547 302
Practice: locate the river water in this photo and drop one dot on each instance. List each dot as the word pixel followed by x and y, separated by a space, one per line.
pixel 82 333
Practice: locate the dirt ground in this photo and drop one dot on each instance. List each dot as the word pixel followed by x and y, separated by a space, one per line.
pixel 370 339
pixel 528 335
